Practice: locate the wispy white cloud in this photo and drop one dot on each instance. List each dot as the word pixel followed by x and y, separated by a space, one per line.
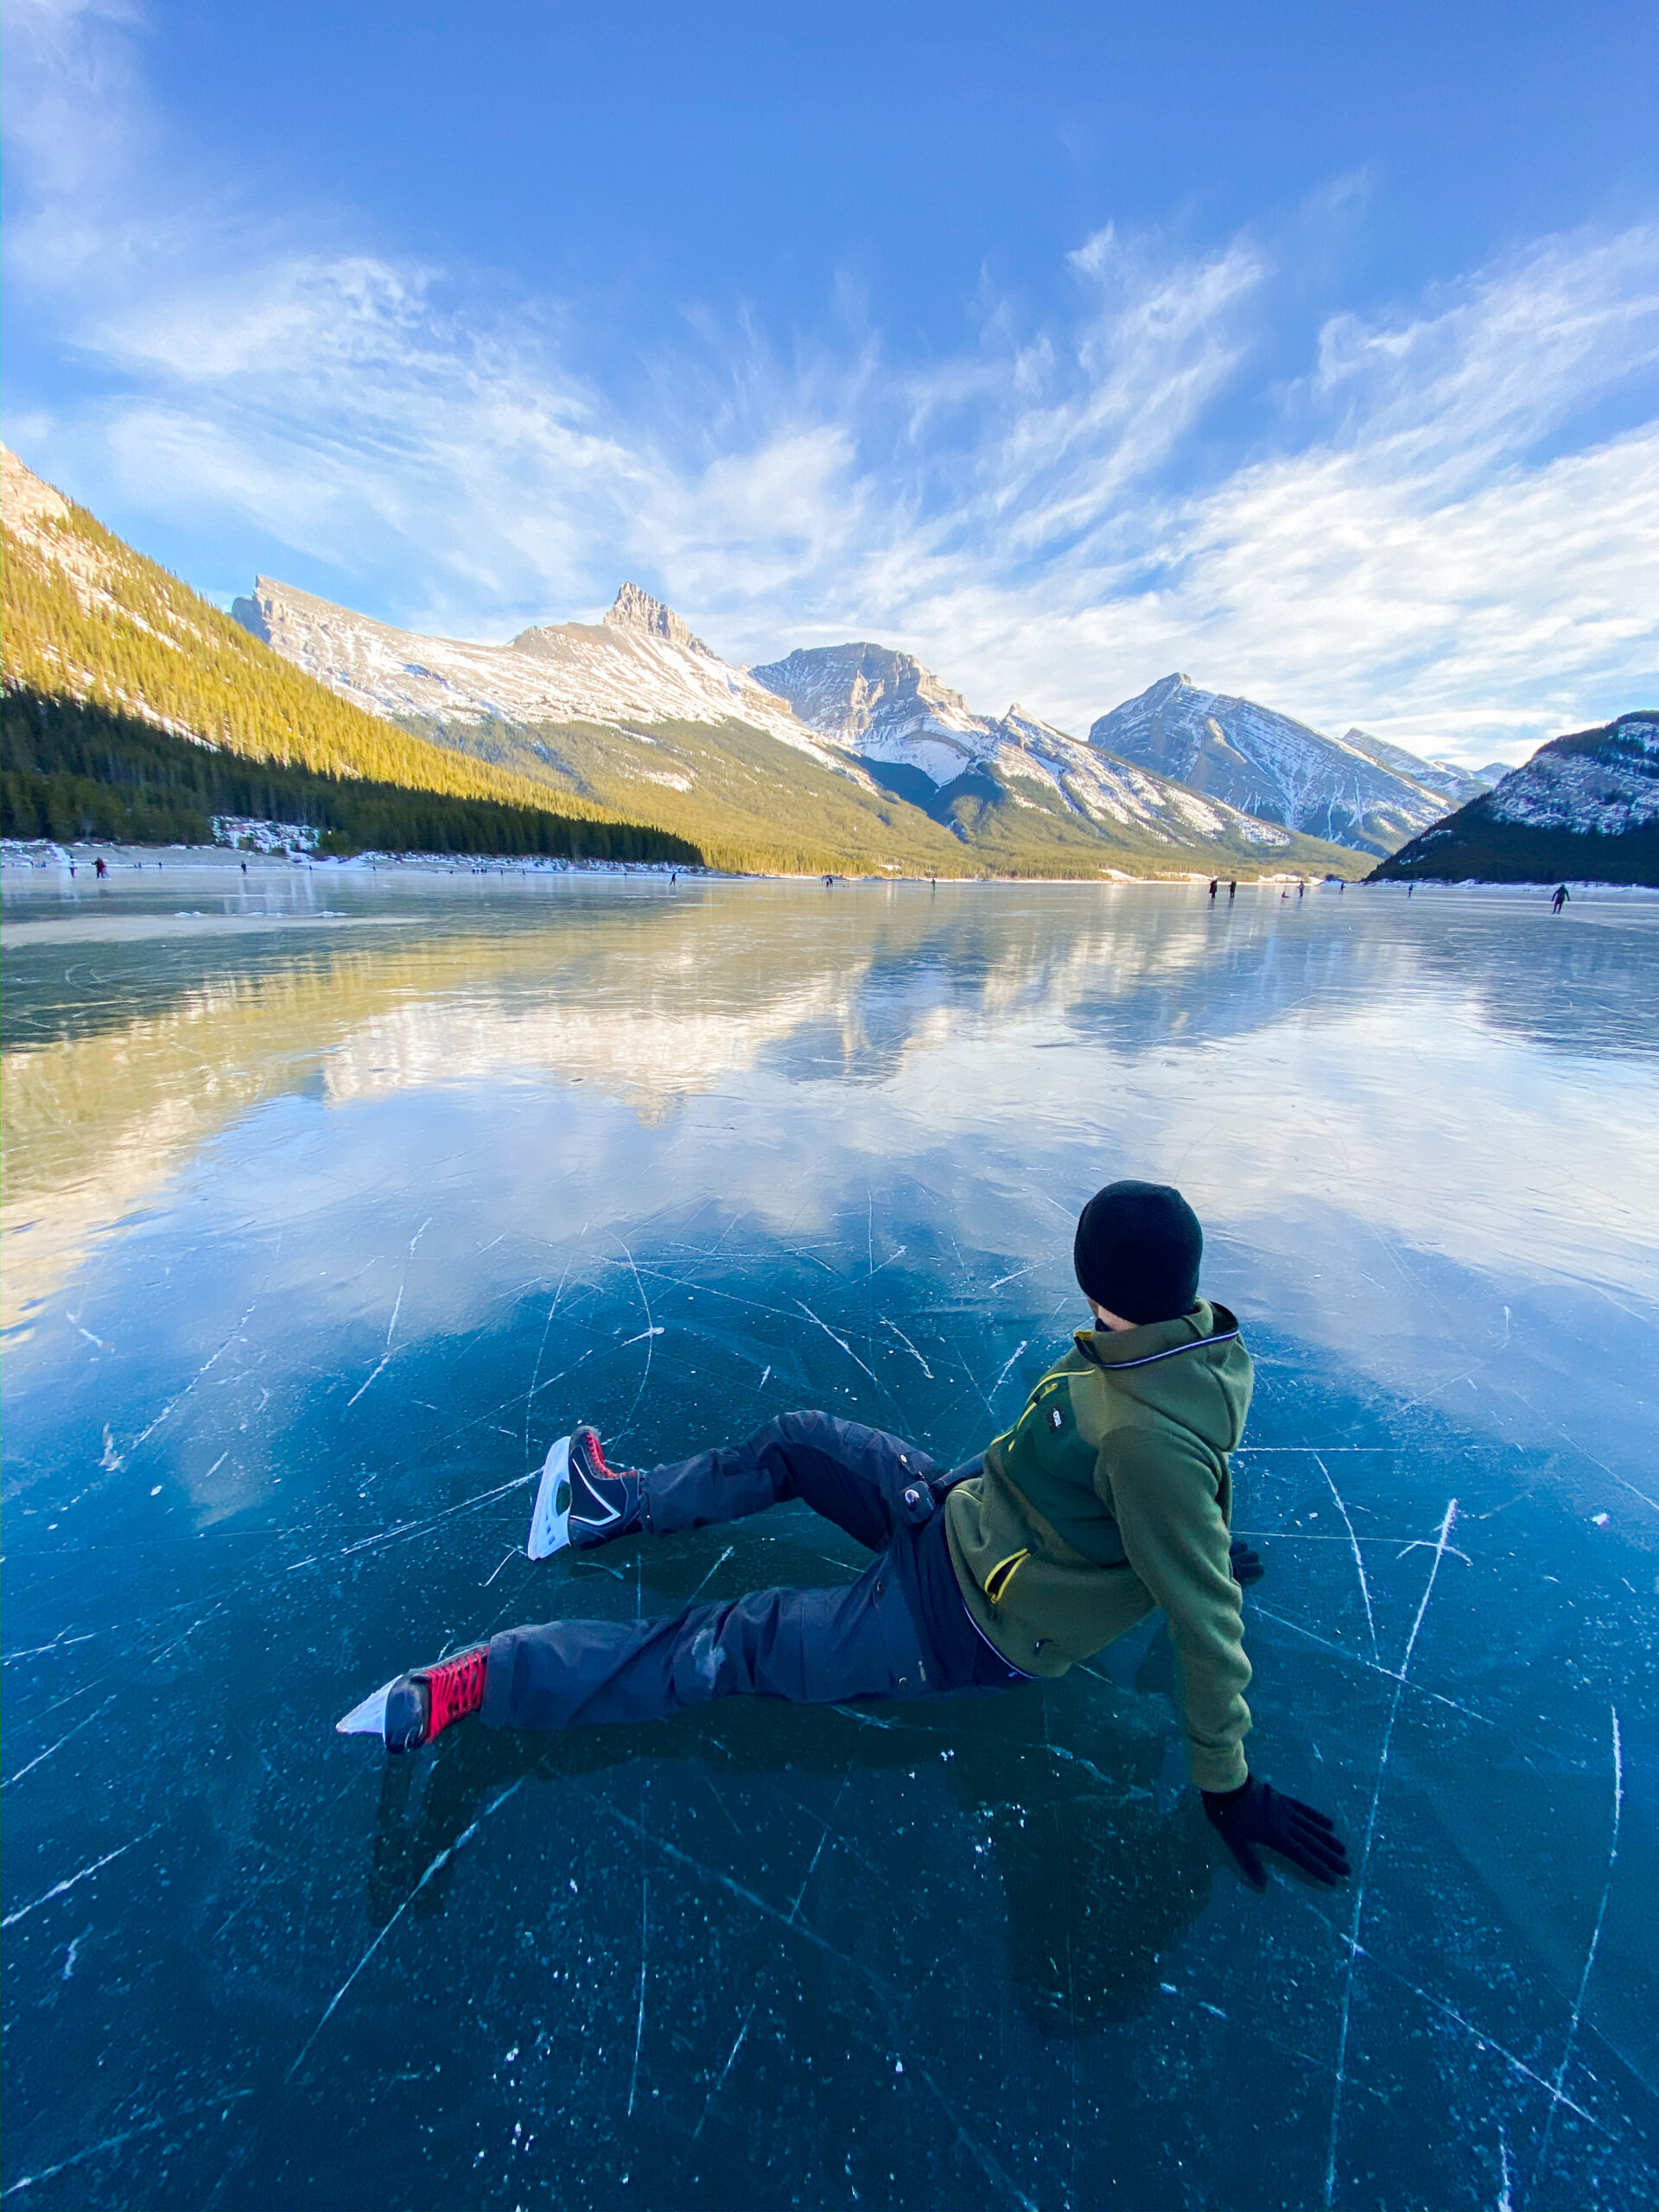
pixel 1449 533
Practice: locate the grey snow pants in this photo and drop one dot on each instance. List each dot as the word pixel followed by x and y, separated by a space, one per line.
pixel 823 1646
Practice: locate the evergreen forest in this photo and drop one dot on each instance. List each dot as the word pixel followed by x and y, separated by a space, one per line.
pixel 133 709
pixel 72 768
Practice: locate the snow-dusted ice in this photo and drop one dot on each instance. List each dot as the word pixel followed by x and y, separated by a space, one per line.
pixel 332 1200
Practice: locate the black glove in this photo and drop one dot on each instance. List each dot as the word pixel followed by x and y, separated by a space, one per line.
pixel 1247 1564
pixel 1258 1814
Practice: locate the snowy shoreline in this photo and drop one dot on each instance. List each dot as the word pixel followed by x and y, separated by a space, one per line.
pixel 21 859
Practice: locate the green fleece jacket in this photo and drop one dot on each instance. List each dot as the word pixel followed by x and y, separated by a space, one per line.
pixel 1110 1496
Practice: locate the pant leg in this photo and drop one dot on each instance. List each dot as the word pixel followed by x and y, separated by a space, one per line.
pixel 869 1483
pixel 811 1646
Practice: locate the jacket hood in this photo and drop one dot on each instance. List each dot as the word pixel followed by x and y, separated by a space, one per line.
pixel 1193 1370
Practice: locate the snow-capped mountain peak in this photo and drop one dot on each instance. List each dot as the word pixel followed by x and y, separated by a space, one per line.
pixel 885 706
pixel 1584 806
pixel 633 609
pixel 641 664
pixel 897 714
pixel 1356 791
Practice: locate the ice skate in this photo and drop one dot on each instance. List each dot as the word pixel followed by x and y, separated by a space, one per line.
pixel 413 1708
pixel 581 1501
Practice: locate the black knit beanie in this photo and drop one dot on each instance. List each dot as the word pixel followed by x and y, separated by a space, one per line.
pixel 1137 1251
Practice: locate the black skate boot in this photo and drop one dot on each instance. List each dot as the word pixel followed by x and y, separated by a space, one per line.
pixel 582 1502
pixel 417 1706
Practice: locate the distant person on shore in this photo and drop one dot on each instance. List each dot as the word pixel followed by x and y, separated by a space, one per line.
pixel 1232 890
pixel 1108 1498
pixel 1215 885
pixel 1302 889
pixel 101 868
pixel 1559 899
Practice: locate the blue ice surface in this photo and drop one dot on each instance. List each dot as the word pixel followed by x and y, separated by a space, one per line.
pixel 331 1203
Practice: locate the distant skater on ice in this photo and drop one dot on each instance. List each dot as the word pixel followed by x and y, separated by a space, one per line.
pixel 1109 1497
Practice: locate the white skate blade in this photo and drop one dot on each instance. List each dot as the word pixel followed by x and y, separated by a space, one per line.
pixel 550 1524
pixel 368 1719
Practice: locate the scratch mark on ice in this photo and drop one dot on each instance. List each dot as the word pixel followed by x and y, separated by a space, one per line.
pixel 652 1333
pixel 823 1837
pixel 977 2151
pixel 731 2057
pixel 1365 1858
pixel 1359 1564
pixel 436 1866
pixel 378 1372
pixel 58 1643
pixel 1595 1938
pixel 737 1889
pixel 834 1339
pixel 908 1346
pixel 712 1573
pixel 61 1741
pixel 57 1889
pixel 1023 1346
pixel 644 1956
pixel 419 1527
pixel 113 1459
pixel 1359 1659
pixel 109 2143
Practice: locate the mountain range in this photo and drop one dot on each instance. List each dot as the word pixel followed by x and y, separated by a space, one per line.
pixel 1354 790
pixel 134 710
pixel 1584 809
pixel 846 758
pixel 880 757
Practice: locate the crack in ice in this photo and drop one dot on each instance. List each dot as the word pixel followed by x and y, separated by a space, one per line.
pixel 1365 1858
pixel 1590 1955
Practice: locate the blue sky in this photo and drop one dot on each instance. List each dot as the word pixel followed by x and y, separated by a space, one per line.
pixel 1312 350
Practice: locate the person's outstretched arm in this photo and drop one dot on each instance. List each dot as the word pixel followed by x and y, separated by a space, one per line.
pixel 1177 1542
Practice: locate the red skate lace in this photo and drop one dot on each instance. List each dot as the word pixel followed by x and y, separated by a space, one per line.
pixel 596 1457
pixel 456 1688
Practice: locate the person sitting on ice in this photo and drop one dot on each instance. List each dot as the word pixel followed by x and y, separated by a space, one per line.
pixel 1109 1497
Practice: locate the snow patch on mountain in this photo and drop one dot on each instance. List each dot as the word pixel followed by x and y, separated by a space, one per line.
pixel 891 710
pixel 1600 783
pixel 1357 791
pixel 1459 785
pixel 641 664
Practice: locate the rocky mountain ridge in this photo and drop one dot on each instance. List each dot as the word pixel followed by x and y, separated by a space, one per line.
pixel 641 662
pixel 921 738
pixel 1355 790
pixel 636 708
pixel 133 709
pixel 1583 808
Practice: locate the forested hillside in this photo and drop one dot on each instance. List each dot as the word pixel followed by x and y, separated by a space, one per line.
pixel 71 768
pixel 1584 809
pixel 119 677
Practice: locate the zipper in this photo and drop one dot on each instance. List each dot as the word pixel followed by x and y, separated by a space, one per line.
pixel 996 1582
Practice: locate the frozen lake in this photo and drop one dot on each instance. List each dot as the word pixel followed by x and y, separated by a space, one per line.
pixel 320 1224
